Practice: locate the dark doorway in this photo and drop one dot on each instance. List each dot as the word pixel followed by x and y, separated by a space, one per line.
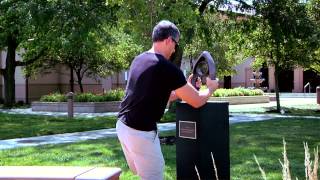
pixel 312 78
pixel 285 80
pixel 227 82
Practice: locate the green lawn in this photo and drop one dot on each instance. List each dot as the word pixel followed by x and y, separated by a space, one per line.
pixel 264 139
pixel 16 126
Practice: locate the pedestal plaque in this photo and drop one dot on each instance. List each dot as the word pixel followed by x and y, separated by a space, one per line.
pixel 188 129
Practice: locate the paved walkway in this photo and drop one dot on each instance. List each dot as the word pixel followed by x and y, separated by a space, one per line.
pixel 235 117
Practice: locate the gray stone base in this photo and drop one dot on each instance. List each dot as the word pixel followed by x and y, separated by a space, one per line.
pixel 78 107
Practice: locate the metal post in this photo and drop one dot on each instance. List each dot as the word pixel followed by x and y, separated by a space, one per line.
pixel 27 90
pixel 70 104
pixel 318 94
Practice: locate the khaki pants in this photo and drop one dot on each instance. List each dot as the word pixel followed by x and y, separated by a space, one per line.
pixel 142 151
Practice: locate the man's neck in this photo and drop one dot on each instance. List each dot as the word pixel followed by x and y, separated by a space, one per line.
pixel 156 48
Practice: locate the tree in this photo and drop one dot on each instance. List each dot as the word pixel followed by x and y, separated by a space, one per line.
pixel 225 34
pixel 313 7
pixel 18 19
pixel 200 24
pixel 83 36
pixel 280 34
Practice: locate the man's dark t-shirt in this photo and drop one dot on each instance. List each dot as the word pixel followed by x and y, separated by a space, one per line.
pixel 151 80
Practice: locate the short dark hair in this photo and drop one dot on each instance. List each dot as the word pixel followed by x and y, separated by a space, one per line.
pixel 165 29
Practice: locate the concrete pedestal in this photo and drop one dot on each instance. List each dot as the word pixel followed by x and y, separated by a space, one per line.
pixel 201 132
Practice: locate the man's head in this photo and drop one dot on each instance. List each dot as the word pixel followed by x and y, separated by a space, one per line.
pixel 165 29
pixel 167 33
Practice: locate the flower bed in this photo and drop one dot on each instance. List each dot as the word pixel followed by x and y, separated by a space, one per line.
pixel 83 103
pixel 242 99
pixel 240 96
pixel 110 102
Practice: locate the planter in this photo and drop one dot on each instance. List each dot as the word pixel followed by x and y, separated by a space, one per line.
pixel 242 99
pixel 78 107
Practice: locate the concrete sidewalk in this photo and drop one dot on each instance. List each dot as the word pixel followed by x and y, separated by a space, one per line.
pixel 104 133
pixel 68 137
pixel 238 114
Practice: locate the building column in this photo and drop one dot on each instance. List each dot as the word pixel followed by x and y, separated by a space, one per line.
pixel 272 84
pixel 249 75
pixel 298 80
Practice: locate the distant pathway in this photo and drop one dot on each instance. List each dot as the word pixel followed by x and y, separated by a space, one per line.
pixel 104 133
pixel 238 114
pixel 30 112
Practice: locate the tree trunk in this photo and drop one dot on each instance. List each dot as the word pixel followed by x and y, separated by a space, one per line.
pixel 71 80
pixel 78 73
pixel 9 72
pixel 276 77
pixel 204 28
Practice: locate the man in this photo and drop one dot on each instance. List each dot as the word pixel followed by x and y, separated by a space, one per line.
pixel 153 80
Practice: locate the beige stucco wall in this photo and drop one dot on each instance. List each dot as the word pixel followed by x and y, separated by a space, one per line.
pixel 243 74
pixel 57 80
pixel 298 80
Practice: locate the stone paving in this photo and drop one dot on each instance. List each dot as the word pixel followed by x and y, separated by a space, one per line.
pixel 237 115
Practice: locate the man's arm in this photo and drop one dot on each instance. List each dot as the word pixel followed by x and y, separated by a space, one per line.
pixel 173 97
pixel 196 98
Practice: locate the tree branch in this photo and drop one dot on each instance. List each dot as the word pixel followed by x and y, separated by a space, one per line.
pixel 25 63
pixel 203 6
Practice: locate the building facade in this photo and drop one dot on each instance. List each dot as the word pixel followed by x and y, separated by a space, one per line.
pixel 57 80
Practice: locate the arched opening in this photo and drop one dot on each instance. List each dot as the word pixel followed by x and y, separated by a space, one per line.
pixel 286 81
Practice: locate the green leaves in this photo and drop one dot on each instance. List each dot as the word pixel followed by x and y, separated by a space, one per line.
pixel 112 95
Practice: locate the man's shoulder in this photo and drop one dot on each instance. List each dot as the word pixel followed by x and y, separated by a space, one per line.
pixel 146 54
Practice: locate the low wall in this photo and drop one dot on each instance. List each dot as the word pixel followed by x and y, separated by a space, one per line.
pixel 113 106
pixel 242 99
pixel 79 107
pixel 58 173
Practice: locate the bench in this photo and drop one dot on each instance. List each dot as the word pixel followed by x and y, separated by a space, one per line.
pixel 58 173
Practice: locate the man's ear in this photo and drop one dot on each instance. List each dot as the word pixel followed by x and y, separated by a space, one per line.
pixel 167 41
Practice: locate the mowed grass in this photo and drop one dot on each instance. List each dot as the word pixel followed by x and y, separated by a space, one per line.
pixel 17 126
pixel 104 152
pixel 264 139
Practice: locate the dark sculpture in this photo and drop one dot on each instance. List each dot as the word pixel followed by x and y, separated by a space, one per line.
pixel 204 67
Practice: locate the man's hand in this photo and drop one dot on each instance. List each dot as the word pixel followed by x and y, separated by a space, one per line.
pixel 198 82
pixel 212 84
pixel 196 98
pixel 173 96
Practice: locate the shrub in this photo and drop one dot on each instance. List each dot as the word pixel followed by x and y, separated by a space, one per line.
pixel 237 92
pixel 112 95
pixel 55 97
pixel 85 97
